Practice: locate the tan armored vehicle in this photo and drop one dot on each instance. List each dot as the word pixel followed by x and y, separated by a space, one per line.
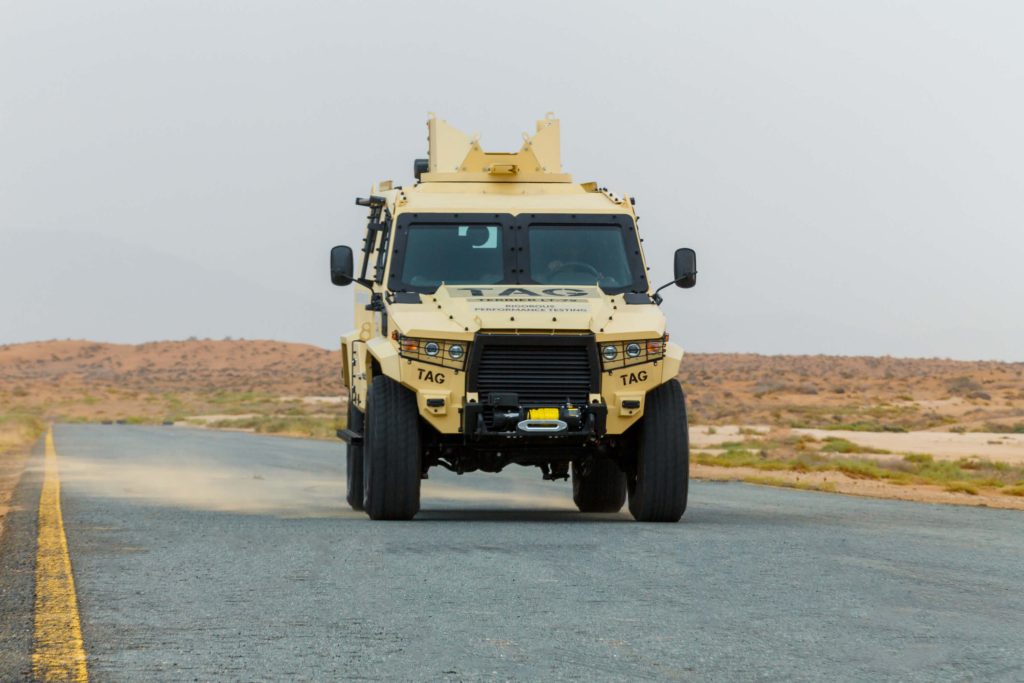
pixel 503 316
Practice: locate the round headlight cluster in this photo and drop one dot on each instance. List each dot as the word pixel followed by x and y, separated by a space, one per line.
pixel 632 349
pixel 609 352
pixel 411 347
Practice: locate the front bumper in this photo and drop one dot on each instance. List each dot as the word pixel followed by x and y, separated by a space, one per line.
pixel 591 425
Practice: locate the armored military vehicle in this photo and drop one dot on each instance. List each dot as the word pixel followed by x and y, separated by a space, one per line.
pixel 503 316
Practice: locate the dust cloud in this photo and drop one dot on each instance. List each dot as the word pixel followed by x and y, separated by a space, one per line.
pixel 287 493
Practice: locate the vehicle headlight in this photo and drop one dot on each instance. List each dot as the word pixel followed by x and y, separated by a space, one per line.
pixel 448 354
pixel 632 352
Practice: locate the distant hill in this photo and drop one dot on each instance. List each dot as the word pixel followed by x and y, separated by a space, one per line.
pixel 198 366
pixel 90 380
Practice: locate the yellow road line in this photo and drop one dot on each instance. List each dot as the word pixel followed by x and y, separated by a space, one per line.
pixel 59 654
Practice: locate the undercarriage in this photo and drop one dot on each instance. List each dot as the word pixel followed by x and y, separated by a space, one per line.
pixel 553 456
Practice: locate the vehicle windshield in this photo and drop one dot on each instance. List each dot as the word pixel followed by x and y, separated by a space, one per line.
pixel 502 249
pixel 453 254
pixel 578 255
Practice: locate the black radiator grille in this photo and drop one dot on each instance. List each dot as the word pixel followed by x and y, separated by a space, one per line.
pixel 541 374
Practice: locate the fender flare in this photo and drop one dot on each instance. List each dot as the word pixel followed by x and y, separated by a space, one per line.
pixel 386 356
pixel 673 359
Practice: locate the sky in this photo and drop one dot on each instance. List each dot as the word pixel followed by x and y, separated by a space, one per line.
pixel 851 175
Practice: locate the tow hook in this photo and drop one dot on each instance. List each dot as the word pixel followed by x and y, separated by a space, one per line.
pixel 541 426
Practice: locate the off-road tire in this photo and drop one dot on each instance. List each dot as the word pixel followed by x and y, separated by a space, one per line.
pixel 659 485
pixel 391 451
pixel 601 489
pixel 354 460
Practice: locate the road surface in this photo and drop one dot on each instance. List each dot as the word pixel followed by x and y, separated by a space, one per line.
pixel 213 556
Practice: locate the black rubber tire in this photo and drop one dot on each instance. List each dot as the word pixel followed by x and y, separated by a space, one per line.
pixel 601 489
pixel 391 451
pixel 354 461
pixel 659 486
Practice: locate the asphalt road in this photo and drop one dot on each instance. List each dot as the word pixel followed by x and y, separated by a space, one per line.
pixel 215 556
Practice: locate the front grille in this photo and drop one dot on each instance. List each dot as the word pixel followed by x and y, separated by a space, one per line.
pixel 544 371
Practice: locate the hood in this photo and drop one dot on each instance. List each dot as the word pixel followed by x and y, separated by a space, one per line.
pixel 456 309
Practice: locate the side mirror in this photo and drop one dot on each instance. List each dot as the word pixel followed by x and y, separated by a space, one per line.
pixel 686 268
pixel 341 266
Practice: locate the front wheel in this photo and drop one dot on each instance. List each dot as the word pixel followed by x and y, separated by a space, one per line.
pixel 659 485
pixel 598 486
pixel 391 451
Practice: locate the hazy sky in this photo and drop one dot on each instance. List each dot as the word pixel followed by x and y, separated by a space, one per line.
pixel 850 174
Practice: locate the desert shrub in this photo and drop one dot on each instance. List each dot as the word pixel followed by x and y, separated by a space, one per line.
pixel 962 386
pixel 998 428
pixel 961 487
pixel 860 469
pixel 837 445
pixel 867 426
pixel 762 389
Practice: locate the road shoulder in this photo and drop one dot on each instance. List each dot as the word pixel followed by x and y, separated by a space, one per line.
pixel 17 571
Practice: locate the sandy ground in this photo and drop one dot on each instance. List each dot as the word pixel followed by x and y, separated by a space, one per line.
pixel 1008 448
pixel 710 437
pixel 870 488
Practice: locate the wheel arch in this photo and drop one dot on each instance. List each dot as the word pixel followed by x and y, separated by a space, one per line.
pixel 364 359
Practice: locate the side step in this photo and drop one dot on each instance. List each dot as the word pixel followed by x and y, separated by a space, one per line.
pixel 349 437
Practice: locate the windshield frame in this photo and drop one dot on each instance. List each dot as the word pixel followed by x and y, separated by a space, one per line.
pixel 515 244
